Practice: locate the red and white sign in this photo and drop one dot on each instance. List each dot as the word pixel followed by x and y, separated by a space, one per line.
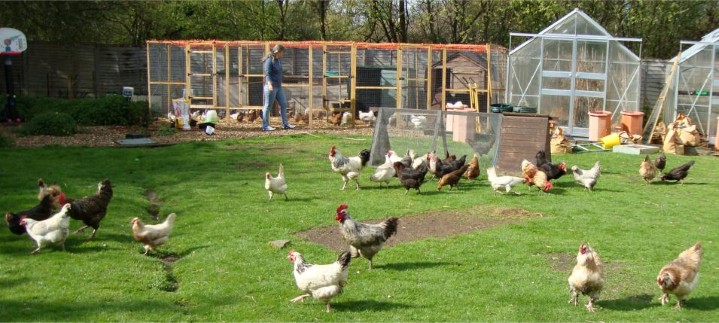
pixel 13 41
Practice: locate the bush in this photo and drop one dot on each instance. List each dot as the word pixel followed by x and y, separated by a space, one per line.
pixel 52 124
pixel 109 110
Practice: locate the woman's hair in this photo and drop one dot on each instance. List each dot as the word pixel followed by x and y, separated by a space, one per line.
pixel 275 49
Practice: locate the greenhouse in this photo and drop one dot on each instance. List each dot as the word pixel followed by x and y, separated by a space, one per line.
pixel 574 67
pixel 694 87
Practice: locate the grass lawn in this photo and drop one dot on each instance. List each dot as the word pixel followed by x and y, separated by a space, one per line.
pixel 225 270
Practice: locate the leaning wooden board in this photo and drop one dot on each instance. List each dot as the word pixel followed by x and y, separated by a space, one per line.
pixel 522 135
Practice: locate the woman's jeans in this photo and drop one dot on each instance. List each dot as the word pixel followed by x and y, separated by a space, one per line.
pixel 278 94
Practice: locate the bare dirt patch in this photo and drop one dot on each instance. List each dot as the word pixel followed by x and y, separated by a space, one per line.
pixel 436 224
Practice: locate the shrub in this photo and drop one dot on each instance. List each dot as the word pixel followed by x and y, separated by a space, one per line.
pixel 109 110
pixel 52 124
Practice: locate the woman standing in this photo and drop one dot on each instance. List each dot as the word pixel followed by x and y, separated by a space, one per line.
pixel 272 90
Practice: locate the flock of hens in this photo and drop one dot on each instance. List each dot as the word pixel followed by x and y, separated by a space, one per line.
pixel 323 282
pixel 45 227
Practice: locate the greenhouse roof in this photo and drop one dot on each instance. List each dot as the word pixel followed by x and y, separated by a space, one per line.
pixel 577 24
pixel 711 38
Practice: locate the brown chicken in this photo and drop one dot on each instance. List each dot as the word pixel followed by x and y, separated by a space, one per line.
pixel 473 170
pixel 587 277
pixel 252 116
pixel 680 276
pixel 535 177
pixel 452 179
pixel 647 170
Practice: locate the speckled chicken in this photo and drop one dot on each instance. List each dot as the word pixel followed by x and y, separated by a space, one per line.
pixel 587 277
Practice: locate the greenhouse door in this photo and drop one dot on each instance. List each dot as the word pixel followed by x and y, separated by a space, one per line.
pixel 201 75
pixel 573 85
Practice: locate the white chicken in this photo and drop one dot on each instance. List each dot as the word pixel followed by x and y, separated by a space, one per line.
pixel 276 185
pixel 384 173
pixel 367 117
pixel 323 282
pixel 346 119
pixel 502 182
pixel 588 177
pixel 348 167
pixel 53 230
pixel 153 235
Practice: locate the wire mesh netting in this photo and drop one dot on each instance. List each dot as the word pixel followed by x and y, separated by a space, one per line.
pixel 444 132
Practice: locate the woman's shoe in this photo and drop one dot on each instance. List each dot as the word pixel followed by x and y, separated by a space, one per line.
pixel 289 126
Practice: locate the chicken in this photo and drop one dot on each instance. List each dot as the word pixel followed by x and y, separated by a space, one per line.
pixel 53 190
pixel 52 230
pixel 473 169
pixel 346 119
pixel 276 185
pixel 153 235
pixel 40 212
pixel 535 177
pixel 660 162
pixel 452 179
pixel 385 172
pixel 410 178
pixel 91 210
pixel 335 118
pixel 553 171
pixel 252 116
pixel 348 167
pixel 647 170
pixel 680 276
pixel 365 240
pixel 367 117
pixel 678 173
pixel 588 177
pixel 449 165
pixel 502 182
pixel 587 277
pixel 323 282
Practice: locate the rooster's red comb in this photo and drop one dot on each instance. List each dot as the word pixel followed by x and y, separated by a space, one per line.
pixel 291 251
pixel 342 207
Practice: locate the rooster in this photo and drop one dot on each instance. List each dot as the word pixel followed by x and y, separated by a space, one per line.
pixel 647 170
pixel 323 282
pixel 365 240
pixel 678 173
pixel 473 169
pixel 52 230
pixel 384 173
pixel 553 171
pixel 348 167
pixel 680 276
pixel 587 277
pixel 587 177
pixel 276 185
pixel 502 182
pixel 452 179
pixel 40 212
pixel 151 235
pixel 91 210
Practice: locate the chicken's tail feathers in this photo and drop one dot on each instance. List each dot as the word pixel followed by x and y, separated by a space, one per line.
pixel 390 227
pixel 281 171
pixel 344 259
pixel 171 218
pixel 364 156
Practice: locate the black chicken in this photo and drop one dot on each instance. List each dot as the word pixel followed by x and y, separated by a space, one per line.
pixel 451 165
pixel 40 212
pixel 553 171
pixel 660 162
pixel 678 173
pixel 410 178
pixel 91 210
